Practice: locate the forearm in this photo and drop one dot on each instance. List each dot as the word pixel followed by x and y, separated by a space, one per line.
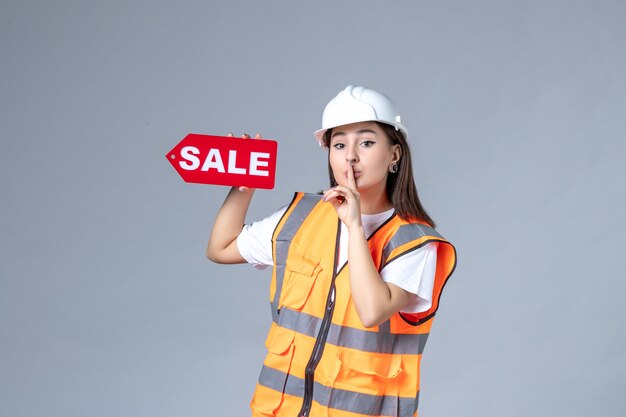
pixel 228 223
pixel 374 300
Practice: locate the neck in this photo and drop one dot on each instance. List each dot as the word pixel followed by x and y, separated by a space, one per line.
pixel 372 204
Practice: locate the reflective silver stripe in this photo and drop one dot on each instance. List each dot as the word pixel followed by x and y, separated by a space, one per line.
pixel 385 327
pixel 405 234
pixel 373 405
pixel 283 240
pixel 364 340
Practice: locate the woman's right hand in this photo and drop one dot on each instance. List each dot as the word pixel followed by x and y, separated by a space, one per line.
pixel 245 136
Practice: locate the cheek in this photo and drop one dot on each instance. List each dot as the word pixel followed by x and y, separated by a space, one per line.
pixel 337 166
pixel 335 162
pixel 382 162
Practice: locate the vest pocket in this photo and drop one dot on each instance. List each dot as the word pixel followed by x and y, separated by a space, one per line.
pixel 300 274
pixel 279 340
pixel 376 376
pixel 382 366
pixel 273 379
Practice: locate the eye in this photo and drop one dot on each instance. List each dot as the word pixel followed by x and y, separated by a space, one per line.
pixel 367 143
pixel 339 146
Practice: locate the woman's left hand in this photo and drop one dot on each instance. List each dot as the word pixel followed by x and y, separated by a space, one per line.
pixel 346 201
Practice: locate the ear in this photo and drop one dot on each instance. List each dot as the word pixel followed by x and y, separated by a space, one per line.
pixel 397 153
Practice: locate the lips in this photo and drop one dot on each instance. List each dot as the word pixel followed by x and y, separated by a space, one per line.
pixel 357 174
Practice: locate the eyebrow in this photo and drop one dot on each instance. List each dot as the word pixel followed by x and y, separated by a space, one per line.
pixel 358 132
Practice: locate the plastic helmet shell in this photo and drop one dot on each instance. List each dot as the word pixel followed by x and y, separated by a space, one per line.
pixel 359 104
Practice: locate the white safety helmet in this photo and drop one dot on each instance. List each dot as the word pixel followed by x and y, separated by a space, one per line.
pixel 359 104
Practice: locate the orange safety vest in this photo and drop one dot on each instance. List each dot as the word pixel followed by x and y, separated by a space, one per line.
pixel 321 360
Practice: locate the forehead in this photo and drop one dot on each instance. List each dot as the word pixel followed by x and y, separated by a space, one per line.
pixel 356 127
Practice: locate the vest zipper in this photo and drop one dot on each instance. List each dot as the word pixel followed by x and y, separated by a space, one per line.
pixel 320 341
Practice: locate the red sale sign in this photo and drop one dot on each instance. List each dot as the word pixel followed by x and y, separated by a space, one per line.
pixel 223 160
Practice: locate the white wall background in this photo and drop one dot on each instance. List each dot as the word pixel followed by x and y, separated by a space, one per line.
pixel 517 117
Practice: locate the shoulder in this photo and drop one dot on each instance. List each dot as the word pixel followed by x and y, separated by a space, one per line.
pixel 407 237
pixel 302 204
pixel 416 228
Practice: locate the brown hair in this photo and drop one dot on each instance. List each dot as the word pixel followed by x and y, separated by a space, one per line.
pixel 401 189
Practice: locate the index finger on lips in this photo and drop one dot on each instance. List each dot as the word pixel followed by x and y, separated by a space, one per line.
pixel 351 180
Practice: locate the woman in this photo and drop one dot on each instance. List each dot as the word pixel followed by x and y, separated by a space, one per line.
pixel 357 272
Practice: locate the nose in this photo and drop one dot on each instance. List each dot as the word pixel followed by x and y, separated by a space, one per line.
pixel 351 156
